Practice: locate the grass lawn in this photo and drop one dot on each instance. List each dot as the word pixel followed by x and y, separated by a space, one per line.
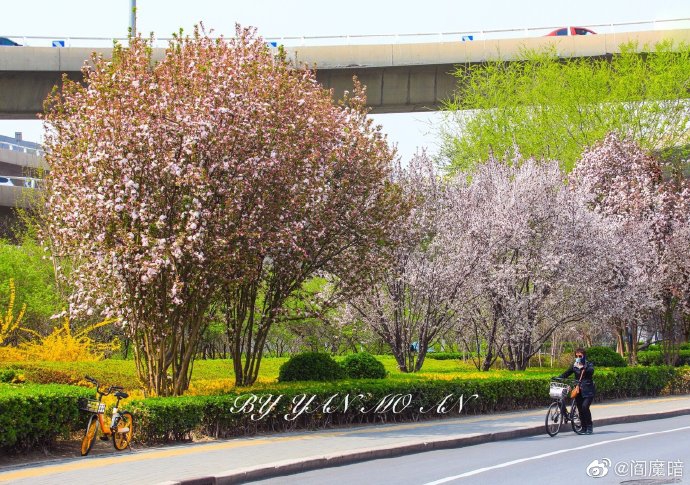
pixel 217 376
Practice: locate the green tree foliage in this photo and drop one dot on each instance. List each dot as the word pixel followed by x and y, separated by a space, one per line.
pixel 35 283
pixel 548 107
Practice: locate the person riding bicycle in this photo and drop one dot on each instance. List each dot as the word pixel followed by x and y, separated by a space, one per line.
pixel 583 370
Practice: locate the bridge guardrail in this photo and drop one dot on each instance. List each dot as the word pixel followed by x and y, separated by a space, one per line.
pixel 25 182
pixel 20 148
pixel 354 39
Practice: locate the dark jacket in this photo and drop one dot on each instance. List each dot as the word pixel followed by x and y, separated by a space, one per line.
pixel 587 388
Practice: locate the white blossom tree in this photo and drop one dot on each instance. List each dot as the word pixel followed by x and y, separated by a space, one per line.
pixel 546 262
pixel 415 299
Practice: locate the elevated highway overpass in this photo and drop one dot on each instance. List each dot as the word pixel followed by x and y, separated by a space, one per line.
pixel 399 77
pixel 20 167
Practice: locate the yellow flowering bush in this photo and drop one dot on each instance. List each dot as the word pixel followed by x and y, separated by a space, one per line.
pixel 63 345
pixel 9 324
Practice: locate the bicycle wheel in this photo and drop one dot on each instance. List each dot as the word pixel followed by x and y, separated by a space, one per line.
pixel 124 430
pixel 554 418
pixel 89 435
pixel 575 420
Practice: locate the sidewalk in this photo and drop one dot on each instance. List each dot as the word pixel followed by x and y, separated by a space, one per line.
pixel 241 459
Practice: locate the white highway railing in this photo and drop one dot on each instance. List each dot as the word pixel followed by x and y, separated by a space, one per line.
pixel 20 148
pixel 363 39
pixel 26 182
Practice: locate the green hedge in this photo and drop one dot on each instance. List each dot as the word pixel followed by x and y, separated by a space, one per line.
pixel 164 419
pixel 34 415
pixel 9 376
pixel 443 355
pixel 450 355
pixel 683 346
pixel 656 357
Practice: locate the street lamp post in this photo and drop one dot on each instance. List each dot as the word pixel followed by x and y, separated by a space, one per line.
pixel 133 17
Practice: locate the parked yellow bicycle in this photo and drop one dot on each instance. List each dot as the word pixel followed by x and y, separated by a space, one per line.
pixel 121 426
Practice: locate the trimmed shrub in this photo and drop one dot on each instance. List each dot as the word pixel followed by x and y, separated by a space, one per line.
pixel 443 355
pixel 35 415
pixel 605 357
pixel 7 375
pixel 656 357
pixel 363 366
pixel 650 357
pixel 310 366
pixel 450 355
pixel 11 376
pixel 169 419
pixel 684 346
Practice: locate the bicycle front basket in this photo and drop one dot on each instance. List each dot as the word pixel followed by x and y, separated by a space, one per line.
pixel 558 390
pixel 90 405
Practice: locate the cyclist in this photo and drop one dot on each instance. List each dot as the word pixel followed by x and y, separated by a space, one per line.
pixel 583 370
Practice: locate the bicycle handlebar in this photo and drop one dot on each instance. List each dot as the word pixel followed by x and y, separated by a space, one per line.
pixel 98 385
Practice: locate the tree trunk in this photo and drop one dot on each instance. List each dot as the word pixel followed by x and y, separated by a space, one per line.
pixel 670 345
pixel 620 341
pixel 634 338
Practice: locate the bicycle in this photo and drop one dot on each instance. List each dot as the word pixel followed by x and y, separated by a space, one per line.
pixel 558 413
pixel 121 426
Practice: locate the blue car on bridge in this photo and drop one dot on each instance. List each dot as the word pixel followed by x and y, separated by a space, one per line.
pixel 4 41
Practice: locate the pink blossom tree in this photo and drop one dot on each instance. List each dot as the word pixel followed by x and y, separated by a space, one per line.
pixel 182 187
pixel 330 205
pixel 628 184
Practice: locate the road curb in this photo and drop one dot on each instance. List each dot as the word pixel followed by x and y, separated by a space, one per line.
pixel 288 467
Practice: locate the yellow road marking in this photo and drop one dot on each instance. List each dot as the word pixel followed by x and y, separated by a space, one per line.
pixel 225 445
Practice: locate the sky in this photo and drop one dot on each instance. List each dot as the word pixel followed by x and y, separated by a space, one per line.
pixel 287 18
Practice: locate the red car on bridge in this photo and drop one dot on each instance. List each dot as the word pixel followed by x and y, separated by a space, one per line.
pixel 571 31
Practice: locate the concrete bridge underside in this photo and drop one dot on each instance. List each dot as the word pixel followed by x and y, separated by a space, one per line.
pixel 389 89
pixel 399 77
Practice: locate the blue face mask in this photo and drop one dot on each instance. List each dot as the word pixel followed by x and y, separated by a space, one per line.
pixel 578 360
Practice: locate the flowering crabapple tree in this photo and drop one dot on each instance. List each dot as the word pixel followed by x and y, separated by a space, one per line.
pixel 628 184
pixel 329 204
pixel 544 260
pixel 179 185
pixel 415 298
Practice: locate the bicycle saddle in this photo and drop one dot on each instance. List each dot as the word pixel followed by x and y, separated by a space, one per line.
pixel 121 395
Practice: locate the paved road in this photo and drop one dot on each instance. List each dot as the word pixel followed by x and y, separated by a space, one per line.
pixel 651 445
pixel 231 461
